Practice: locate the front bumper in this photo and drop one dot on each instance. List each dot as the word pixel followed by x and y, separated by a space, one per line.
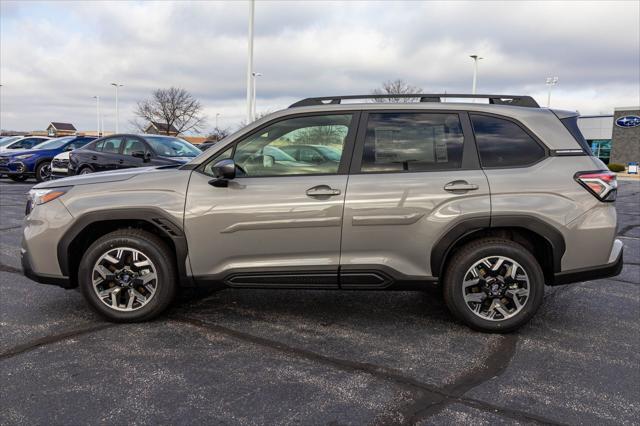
pixel 608 270
pixel 15 168
pixel 28 272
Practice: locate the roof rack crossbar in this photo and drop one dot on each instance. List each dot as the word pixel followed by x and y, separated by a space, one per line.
pixel 515 100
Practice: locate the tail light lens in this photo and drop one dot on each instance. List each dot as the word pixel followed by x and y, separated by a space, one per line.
pixel 602 184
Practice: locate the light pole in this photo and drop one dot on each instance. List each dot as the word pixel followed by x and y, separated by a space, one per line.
pixel 252 7
pixel 217 115
pixel 475 58
pixel 253 95
pixel 116 85
pixel 550 82
pixel 97 98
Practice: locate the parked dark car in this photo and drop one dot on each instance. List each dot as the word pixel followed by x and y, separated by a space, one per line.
pixel 126 151
pixel 313 154
pixel 206 145
pixel 36 162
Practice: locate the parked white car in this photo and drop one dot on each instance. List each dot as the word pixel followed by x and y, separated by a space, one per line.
pixel 23 143
pixel 60 165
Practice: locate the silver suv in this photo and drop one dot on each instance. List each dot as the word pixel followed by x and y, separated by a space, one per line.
pixel 489 201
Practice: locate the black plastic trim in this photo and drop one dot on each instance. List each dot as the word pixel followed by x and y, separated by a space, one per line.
pixel 513 100
pixel 589 274
pixel 465 227
pixel 27 271
pixel 151 215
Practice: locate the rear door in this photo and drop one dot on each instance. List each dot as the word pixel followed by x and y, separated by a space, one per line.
pixel 109 158
pixel 278 222
pixel 414 177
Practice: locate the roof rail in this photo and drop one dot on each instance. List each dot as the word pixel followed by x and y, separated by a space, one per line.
pixel 514 100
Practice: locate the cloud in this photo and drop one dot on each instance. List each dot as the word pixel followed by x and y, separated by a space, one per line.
pixel 54 57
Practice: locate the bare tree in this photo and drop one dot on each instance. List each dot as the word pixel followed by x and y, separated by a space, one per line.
pixel 171 107
pixel 396 87
pixel 218 134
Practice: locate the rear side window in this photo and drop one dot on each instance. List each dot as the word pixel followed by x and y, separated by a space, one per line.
pixel 571 123
pixel 412 142
pixel 502 143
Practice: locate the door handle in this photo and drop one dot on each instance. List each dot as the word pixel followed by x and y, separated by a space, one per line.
pixel 322 191
pixel 94 157
pixel 460 185
pixel 120 161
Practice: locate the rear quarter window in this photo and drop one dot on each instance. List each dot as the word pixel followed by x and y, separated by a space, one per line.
pixel 503 143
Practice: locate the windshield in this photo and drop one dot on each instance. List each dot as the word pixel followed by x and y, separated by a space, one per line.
pixel 172 147
pixel 55 143
pixel 6 141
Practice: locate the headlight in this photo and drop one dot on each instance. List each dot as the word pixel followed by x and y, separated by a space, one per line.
pixel 24 156
pixel 42 196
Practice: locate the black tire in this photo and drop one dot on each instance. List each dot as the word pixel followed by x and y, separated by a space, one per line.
pixel 473 252
pixel 155 250
pixel 43 171
pixel 85 170
pixel 18 178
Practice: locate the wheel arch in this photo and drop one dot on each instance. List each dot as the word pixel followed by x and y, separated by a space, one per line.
pixel 544 241
pixel 90 226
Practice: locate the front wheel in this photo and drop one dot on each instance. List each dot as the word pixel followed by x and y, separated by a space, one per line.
pixel 128 276
pixel 18 178
pixel 493 285
pixel 43 171
pixel 85 171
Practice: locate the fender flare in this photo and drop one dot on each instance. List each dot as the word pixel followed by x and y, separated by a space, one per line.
pixel 465 227
pixel 156 217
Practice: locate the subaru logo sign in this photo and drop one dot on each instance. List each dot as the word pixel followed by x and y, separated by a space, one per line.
pixel 628 121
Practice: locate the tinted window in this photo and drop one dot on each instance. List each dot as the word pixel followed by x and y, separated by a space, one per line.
pixel 132 145
pixel 78 143
pixel 265 153
pixel 412 142
pixel 55 143
pixel 502 143
pixel 111 145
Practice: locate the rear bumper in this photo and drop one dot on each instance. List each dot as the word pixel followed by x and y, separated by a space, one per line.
pixel 608 270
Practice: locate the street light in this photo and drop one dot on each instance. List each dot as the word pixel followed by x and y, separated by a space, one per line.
pixel 97 98
pixel 253 95
pixel 475 58
pixel 252 7
pixel 551 81
pixel 116 85
pixel 217 115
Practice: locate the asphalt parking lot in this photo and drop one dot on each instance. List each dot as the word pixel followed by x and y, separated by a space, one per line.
pixel 318 357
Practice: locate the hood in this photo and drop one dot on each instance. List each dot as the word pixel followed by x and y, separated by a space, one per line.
pixel 63 155
pixel 14 152
pixel 101 177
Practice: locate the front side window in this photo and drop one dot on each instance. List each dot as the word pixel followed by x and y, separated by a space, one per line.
pixel 502 143
pixel 272 151
pixel 132 145
pixel 412 142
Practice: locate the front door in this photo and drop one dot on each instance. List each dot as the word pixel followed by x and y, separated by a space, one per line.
pixel 415 176
pixel 132 145
pixel 109 157
pixel 278 223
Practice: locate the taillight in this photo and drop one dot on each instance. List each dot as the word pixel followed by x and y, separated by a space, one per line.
pixel 602 184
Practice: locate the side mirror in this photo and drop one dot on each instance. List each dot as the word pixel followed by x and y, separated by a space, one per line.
pixel 146 156
pixel 225 169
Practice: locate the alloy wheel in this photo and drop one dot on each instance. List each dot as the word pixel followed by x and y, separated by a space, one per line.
pixel 496 288
pixel 45 172
pixel 124 279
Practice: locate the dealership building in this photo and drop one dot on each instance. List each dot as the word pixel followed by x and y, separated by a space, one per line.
pixel 613 138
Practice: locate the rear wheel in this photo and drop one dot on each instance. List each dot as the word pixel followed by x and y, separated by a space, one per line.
pixel 18 178
pixel 128 276
pixel 43 171
pixel 493 285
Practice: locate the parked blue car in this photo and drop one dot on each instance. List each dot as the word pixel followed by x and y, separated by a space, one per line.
pixel 21 165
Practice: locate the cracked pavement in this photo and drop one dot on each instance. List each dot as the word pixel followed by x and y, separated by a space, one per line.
pixel 318 357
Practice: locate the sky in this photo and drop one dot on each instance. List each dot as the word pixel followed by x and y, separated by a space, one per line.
pixel 55 56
